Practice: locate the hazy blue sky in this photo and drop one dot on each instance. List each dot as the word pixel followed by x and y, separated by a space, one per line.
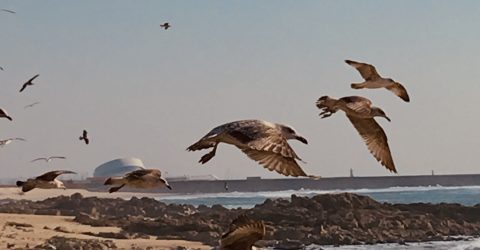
pixel 141 91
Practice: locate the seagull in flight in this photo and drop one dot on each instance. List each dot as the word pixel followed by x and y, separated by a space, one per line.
pixel 166 26
pixel 1 68
pixel 4 113
pixel 44 181
pixel 49 159
pixel 9 140
pixel 141 178
pixel 242 234
pixel 374 81
pixel 361 113
pixel 29 82
pixel 84 137
pixel 9 11
pixel 31 105
pixel 262 141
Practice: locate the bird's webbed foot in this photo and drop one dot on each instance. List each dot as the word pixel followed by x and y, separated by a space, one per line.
pixel 208 156
pixel 326 112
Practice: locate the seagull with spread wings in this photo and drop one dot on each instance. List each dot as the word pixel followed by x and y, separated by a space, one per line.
pixel 28 83
pixel 44 181
pixel 31 105
pixel 242 234
pixel 142 178
pixel 4 114
pixel 84 137
pixel 49 159
pixel 165 26
pixel 261 141
pixel 361 113
pixel 374 81
pixel 9 11
pixel 9 140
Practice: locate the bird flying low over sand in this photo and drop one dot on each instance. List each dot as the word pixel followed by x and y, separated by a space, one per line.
pixel 373 80
pixel 44 181
pixel 28 83
pixel 84 137
pixel 4 114
pixel 49 159
pixel 9 11
pixel 9 140
pixel 31 105
pixel 165 26
pixel 262 141
pixel 361 113
pixel 243 233
pixel 142 178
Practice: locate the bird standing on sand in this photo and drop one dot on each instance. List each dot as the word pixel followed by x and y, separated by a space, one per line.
pixel 361 113
pixel 243 233
pixel 165 26
pixel 49 159
pixel 142 178
pixel 9 140
pixel 84 137
pixel 31 105
pixel 373 80
pixel 4 114
pixel 44 181
pixel 9 11
pixel 262 141
pixel 29 82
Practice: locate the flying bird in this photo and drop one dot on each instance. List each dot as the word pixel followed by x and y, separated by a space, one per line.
pixel 44 181
pixel 261 141
pixel 31 105
pixel 1 68
pixel 9 11
pixel 49 159
pixel 361 113
pixel 142 178
pixel 166 26
pixel 242 234
pixel 84 137
pixel 28 83
pixel 4 114
pixel 373 80
pixel 9 140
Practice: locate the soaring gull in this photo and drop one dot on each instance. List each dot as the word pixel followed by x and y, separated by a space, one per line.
pixel 45 181
pixel 142 178
pixel 4 114
pixel 361 113
pixel 31 105
pixel 262 141
pixel 29 82
pixel 243 233
pixel 9 11
pixel 373 80
pixel 84 137
pixel 165 26
pixel 49 159
pixel 9 140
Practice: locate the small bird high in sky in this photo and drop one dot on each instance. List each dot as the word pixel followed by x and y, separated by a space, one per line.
pixel 84 137
pixel 4 114
pixel 49 159
pixel 262 141
pixel 28 83
pixel 1 68
pixel 9 140
pixel 9 11
pixel 373 80
pixel 142 178
pixel 44 181
pixel 31 105
pixel 165 26
pixel 361 113
pixel 242 234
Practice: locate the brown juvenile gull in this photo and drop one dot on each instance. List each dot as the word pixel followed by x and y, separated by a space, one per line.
pixel 262 141
pixel 84 137
pixel 243 233
pixel 373 80
pixel 28 83
pixel 31 105
pixel 9 140
pixel 45 181
pixel 49 159
pixel 361 113
pixel 166 26
pixel 142 178
pixel 4 114
pixel 9 11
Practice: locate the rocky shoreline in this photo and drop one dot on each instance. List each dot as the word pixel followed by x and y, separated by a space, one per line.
pixel 328 219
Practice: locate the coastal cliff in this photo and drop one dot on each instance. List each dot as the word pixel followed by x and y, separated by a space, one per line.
pixel 328 219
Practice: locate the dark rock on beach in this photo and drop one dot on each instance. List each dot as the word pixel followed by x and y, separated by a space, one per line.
pixel 333 219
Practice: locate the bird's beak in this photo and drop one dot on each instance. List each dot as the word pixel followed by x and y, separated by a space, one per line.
pixel 388 119
pixel 301 139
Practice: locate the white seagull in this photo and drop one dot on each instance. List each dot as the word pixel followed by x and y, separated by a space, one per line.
pixel 361 113
pixel 9 140
pixel 262 141
pixel 49 159
pixel 44 181
pixel 373 80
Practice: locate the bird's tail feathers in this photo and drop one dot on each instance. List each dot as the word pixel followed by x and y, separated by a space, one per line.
pixel 115 181
pixel 20 183
pixel 202 144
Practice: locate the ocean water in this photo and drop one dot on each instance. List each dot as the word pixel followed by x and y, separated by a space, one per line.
pixel 466 195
